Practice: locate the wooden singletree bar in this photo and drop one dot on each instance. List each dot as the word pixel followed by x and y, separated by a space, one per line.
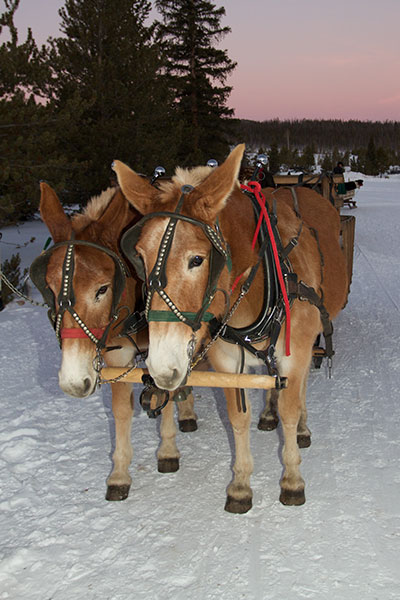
pixel 202 378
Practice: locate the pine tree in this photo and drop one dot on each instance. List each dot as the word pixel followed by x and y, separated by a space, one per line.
pixel 196 70
pixel 327 162
pixel 307 159
pixel 22 70
pixel 106 65
pixel 371 166
pixel 25 123
pixel 382 159
pixel 274 162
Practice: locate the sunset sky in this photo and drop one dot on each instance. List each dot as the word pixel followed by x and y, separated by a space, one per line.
pixel 311 59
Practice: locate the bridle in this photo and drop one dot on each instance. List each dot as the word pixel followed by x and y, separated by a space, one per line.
pixel 66 297
pixel 157 280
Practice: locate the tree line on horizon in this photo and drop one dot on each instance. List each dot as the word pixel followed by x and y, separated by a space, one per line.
pixel 114 85
pixel 324 134
pixel 370 147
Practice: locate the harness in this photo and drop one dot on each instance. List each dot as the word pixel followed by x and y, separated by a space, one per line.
pixel 271 318
pixel 272 315
pixel 273 312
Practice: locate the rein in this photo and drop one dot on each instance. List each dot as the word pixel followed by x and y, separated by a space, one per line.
pixel 19 293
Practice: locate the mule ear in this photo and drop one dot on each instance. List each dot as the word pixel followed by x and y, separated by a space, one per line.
pixel 137 190
pixel 53 214
pixel 114 219
pixel 210 197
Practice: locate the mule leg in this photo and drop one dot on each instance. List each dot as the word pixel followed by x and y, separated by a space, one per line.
pixel 292 400
pixel 168 454
pixel 239 493
pixel 303 432
pixel 119 481
pixel 269 417
pixel 293 416
pixel 292 484
pixel 187 418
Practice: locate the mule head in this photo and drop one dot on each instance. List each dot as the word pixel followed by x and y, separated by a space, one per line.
pixel 185 259
pixel 93 280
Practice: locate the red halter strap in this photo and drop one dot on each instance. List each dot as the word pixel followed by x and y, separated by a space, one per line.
pixel 255 188
pixel 77 332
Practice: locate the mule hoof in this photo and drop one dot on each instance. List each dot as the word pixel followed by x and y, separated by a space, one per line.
pixel 187 425
pixel 267 424
pixel 115 493
pixel 303 441
pixel 168 465
pixel 292 497
pixel 233 505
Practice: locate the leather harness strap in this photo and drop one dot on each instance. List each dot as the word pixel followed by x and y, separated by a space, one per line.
pixel 304 292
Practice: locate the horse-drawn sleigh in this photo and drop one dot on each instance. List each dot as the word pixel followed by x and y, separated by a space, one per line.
pixel 232 275
pixel 340 193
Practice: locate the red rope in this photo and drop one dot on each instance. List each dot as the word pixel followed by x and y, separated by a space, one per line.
pixel 255 188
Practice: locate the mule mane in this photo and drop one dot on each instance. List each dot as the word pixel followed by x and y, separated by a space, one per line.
pixel 193 176
pixel 93 210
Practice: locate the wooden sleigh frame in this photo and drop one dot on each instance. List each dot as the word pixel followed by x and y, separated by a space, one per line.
pixel 203 379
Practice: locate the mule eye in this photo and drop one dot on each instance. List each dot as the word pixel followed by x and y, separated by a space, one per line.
pixel 101 290
pixel 196 261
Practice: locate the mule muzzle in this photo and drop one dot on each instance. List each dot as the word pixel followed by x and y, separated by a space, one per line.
pixel 79 389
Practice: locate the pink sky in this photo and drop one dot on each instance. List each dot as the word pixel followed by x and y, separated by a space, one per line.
pixel 296 59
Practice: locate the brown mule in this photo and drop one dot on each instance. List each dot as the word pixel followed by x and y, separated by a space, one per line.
pixel 97 232
pixel 179 260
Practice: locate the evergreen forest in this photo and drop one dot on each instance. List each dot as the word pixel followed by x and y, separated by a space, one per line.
pixel 117 84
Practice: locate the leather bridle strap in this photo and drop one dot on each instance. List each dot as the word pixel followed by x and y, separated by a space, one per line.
pixel 157 279
pixel 66 297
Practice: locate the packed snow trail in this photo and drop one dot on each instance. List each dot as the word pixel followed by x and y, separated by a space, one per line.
pixel 171 539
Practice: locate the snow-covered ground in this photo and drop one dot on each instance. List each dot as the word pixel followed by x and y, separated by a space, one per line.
pixel 171 539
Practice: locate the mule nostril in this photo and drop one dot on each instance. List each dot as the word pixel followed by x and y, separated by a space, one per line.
pixel 86 385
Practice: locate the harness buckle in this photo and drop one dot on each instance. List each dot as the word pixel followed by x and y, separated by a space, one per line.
pixel 65 303
pixel 155 283
pixel 98 362
pixel 281 382
pixel 330 365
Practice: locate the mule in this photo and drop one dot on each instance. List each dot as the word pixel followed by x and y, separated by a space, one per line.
pixel 102 292
pixel 198 229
